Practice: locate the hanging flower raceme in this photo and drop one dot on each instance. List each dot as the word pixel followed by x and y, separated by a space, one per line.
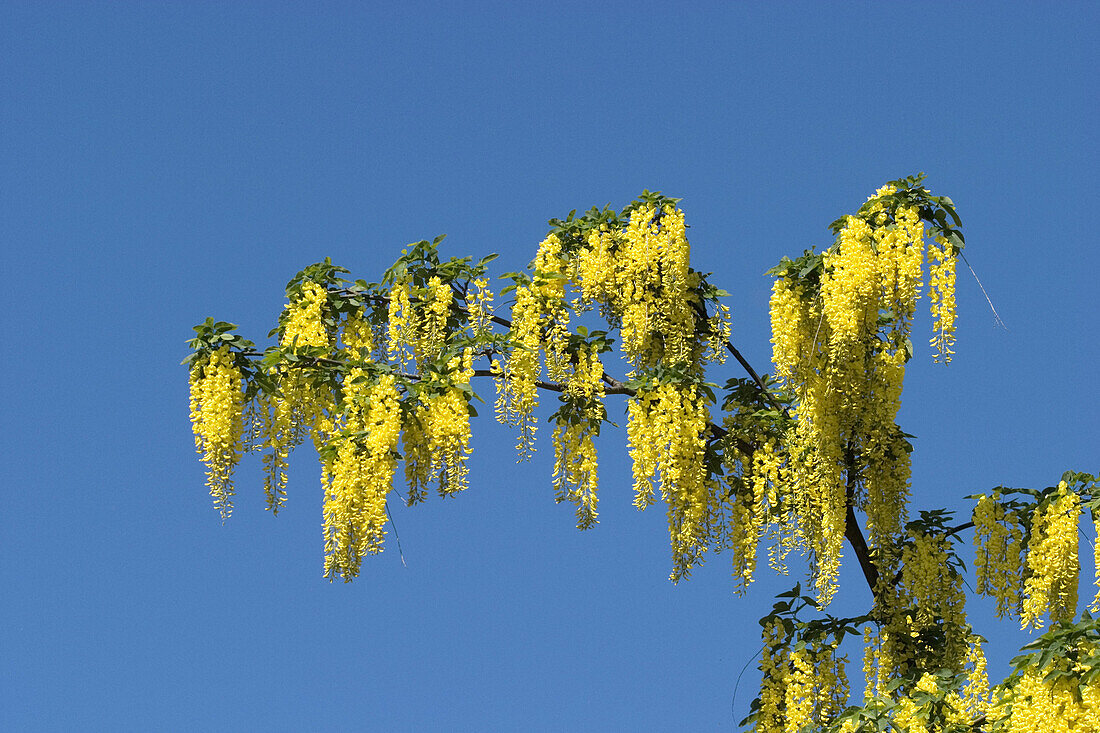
pixel 1054 692
pixel 437 435
pixel 481 307
pixel 1051 580
pixel 804 684
pixel 299 407
pixel 517 394
pixel 358 470
pixel 922 615
pixel 666 432
pixel 840 323
pixel 578 422
pixel 941 277
pixel 999 554
pixel 217 403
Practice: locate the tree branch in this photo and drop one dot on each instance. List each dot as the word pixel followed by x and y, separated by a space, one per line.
pixel 852 532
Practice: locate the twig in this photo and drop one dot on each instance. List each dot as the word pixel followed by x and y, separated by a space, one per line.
pixel 987 300
pixel 396 535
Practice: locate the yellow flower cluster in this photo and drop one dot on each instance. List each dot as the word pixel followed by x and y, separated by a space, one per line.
pixel 417 325
pixel 640 277
pixel 400 322
pixel 1035 704
pixel 842 351
pixel 1052 564
pixel 575 466
pixel 913 714
pixel 517 395
pixel 923 618
pixel 217 403
pixel 754 501
pixel 551 276
pixel 773 684
pixel 976 695
pixel 437 437
pixel 481 307
pixel 360 475
pixel 951 700
pixel 999 559
pixel 941 295
pixel 304 324
pixel 358 336
pixel 300 407
pixel 804 685
pixel 666 433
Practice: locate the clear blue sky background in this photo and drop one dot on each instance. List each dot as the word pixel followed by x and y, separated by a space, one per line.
pixel 161 162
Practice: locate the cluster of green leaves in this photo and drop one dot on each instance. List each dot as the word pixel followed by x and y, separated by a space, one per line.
pixel 935 523
pixel 793 602
pixel 211 335
pixel 938 211
pixel 768 408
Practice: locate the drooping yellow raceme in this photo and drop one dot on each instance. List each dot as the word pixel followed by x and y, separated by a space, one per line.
pixel 417 320
pixel 941 279
pixel 304 324
pixel 401 323
pixel 775 672
pixel 300 407
pixel 360 475
pixel 217 403
pixel 1052 561
pixel 481 307
pixel 842 350
pixel 358 336
pixel 445 421
pixel 751 497
pixel 1094 607
pixel 655 300
pixel 666 432
pixel 575 464
pixel 913 714
pixel 804 684
pixel 922 617
pixel 548 287
pixel 976 694
pixel 433 320
pixel 998 560
pixel 517 394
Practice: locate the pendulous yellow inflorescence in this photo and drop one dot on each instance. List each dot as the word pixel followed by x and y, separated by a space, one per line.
pixel 941 295
pixel 1052 562
pixel 300 407
pixel 840 344
pixel 575 463
pixel 359 475
pixel 998 556
pixel 804 685
pixel 217 403
pixel 666 431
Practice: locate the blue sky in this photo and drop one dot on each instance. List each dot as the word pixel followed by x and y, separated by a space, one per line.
pixel 162 162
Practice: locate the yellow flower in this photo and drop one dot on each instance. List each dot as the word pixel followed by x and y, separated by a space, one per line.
pixel 217 404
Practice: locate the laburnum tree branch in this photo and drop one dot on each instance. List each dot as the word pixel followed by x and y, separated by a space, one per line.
pixel 803 455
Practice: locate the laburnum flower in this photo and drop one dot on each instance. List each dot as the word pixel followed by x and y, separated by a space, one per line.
pixel 217 403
